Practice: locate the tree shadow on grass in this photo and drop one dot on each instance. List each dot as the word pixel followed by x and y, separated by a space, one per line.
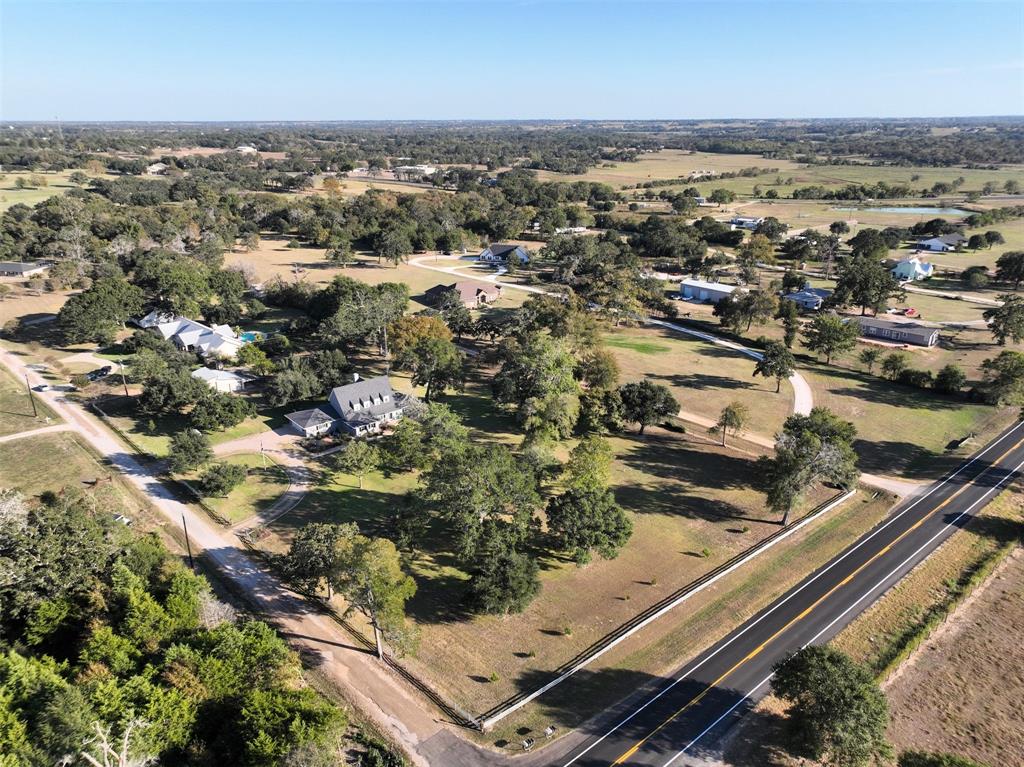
pixel 698 465
pixel 902 459
pixel 703 381
pixel 897 395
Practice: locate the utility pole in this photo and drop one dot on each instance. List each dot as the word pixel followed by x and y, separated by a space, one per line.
pixel 124 381
pixel 188 546
pixel 31 397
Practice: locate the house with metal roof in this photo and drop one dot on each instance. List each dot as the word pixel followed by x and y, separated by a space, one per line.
pixel 705 292
pixel 943 244
pixel 21 268
pixel 499 253
pixel 220 380
pixel 808 298
pixel 912 268
pixel 897 332
pixel 218 341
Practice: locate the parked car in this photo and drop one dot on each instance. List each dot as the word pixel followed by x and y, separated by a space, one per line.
pixel 96 375
pixel 41 387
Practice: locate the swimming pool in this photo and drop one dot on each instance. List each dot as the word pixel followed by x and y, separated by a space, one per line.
pixel 250 336
pixel 920 211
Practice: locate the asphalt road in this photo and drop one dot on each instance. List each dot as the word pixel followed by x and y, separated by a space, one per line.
pixel 682 722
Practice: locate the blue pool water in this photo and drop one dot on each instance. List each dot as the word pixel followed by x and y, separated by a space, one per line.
pixel 913 211
pixel 251 335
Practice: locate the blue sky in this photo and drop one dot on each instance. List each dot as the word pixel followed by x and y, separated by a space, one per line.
pixel 303 60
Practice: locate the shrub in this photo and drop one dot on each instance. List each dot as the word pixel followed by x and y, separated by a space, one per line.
pixel 922 379
pixel 950 380
pixel 221 478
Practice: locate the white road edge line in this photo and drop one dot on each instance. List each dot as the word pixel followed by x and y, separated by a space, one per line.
pixel 682 675
pixel 860 599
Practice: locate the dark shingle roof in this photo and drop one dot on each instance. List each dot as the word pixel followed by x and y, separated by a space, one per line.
pixel 363 401
pixel 910 328
pixel 500 249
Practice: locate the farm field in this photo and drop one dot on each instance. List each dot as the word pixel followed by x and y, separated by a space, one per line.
pixel 943 699
pixel 41 462
pixel 57 183
pixel 673 163
pixel 16 409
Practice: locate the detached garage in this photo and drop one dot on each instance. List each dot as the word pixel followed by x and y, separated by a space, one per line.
pixel 705 292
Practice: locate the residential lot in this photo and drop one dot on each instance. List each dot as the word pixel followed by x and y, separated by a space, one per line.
pixel 16 409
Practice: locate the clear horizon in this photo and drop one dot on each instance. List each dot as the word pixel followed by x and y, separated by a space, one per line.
pixel 430 61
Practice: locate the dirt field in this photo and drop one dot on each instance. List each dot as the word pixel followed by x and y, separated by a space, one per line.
pixel 963 691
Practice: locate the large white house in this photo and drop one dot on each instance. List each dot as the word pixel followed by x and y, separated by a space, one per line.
pixel 218 341
pixel 947 243
pixel 500 254
pixel 912 268
pixel 745 222
pixel 363 407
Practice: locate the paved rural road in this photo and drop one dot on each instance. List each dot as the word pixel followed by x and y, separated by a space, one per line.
pixel 681 723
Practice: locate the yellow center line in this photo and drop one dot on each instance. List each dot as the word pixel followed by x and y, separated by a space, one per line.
pixel 808 610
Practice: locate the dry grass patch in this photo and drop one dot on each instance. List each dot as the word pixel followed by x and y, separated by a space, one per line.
pixel 16 411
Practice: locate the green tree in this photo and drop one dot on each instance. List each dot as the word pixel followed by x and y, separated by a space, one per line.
pixel 644 403
pixel 869 358
pixel 865 282
pixel 1007 321
pixel 1010 267
pixel 776 362
pixel 293 385
pixel 590 463
pixel 313 556
pixel 586 519
pixel 368 573
pixel 505 582
pixel 993 237
pixel 893 365
pixel 1004 378
pixel 358 459
pixel 435 364
pixel 839 227
pixel 484 492
pixel 837 714
pixel 189 449
pixel 537 377
pixel 733 417
pixel 789 313
pixel 455 313
pixel 811 448
pixel 219 479
pixel 721 196
pixel 393 245
pixel 830 335
pixel 96 314
pixel 254 358
pixel 950 380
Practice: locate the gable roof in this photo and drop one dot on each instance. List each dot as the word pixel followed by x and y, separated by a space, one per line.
pixel 719 287
pixel 468 290
pixel 364 400
pixel 910 328
pixel 501 249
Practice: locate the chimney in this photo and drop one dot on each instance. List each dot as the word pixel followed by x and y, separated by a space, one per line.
pixel 355 377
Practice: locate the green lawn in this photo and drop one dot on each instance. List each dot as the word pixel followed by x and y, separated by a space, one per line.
pixel 49 462
pixel 265 483
pixel 902 431
pixel 16 409
pixel 153 434
pixel 703 377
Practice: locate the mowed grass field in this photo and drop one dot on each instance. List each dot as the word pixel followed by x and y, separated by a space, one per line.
pixel 16 413
pixel 265 483
pixel 674 163
pixel 903 431
pixel 42 462
pixel 703 377
pixel 57 183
